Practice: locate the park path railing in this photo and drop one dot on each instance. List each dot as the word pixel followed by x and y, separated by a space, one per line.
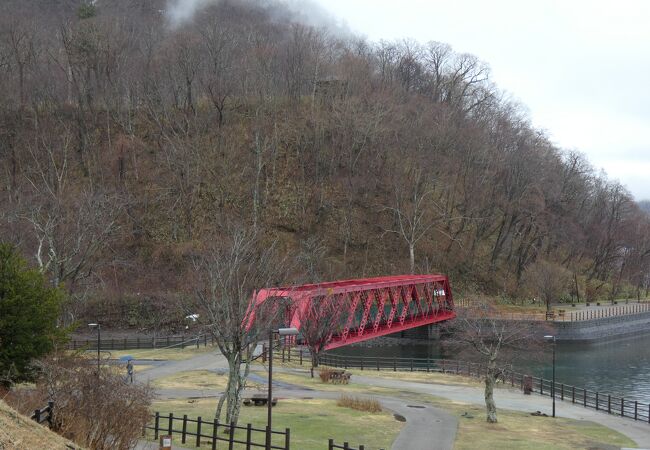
pixel 619 406
pixel 198 432
pixel 141 343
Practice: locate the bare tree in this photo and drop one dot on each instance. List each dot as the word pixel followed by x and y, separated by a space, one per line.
pixel 72 224
pixel 548 280
pixel 479 333
pixel 228 276
pixel 317 321
pixel 416 211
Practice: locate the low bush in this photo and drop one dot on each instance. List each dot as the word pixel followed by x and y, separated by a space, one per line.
pixel 325 375
pixel 359 404
pixel 97 410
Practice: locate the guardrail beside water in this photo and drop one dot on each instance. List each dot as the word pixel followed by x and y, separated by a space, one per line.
pixel 619 406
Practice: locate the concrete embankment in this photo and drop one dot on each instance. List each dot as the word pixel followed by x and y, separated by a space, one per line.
pixel 604 328
pixel 583 331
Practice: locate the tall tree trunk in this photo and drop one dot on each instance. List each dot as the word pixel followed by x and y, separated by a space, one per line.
pixel 412 256
pixel 491 407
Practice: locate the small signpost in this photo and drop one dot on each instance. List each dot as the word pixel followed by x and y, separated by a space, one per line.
pixel 165 442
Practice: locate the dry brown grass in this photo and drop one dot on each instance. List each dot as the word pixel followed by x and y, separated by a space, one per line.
pixel 97 410
pixel 18 432
pixel 325 375
pixel 359 404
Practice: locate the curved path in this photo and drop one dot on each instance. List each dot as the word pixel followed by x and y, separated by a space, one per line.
pixel 426 427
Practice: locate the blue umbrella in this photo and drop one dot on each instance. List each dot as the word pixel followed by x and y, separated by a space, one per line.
pixel 126 358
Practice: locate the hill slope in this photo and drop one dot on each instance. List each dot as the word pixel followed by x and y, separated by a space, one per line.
pixel 18 432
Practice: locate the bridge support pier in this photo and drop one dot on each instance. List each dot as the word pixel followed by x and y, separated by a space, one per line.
pixel 425 332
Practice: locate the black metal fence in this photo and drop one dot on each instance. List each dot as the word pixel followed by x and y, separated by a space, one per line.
pixel 345 446
pixel 142 343
pixel 198 432
pixel 599 401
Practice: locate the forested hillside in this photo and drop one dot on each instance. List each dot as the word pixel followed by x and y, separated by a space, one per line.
pixel 128 144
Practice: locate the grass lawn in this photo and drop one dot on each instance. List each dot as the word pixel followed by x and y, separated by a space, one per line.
pixel 420 377
pixel 175 354
pixel 303 379
pixel 312 422
pixel 521 431
pixel 194 379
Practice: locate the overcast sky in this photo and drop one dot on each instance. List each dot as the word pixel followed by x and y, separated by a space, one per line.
pixel 581 67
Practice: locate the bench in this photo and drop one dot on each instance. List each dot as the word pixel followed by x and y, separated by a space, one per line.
pixel 259 400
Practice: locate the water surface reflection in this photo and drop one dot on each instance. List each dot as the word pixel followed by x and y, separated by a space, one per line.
pixel 620 367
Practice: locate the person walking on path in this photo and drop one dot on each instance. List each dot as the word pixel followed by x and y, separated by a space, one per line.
pixel 129 371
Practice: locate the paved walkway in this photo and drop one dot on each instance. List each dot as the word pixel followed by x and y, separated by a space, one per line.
pixel 515 400
pixel 427 428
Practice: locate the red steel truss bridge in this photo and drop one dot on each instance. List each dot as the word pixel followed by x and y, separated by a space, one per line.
pixel 351 311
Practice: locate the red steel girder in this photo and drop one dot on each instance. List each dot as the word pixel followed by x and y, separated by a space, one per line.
pixel 424 299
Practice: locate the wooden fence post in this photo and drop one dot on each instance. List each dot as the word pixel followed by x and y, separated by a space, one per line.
pixel 287 439
pixel 215 433
pixel 170 424
pixel 231 436
pixel 198 431
pixel 184 435
pixel 50 416
pixel 330 445
pixel 249 433
pixel 155 426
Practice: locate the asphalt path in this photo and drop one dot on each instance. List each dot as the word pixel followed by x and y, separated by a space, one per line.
pixel 426 428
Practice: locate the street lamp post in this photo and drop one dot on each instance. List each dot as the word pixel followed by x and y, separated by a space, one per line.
pixel 99 341
pixel 552 338
pixel 269 400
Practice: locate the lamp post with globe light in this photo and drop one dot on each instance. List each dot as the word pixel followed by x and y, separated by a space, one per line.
pixel 99 341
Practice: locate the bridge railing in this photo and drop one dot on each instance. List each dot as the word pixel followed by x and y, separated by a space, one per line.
pixel 607 403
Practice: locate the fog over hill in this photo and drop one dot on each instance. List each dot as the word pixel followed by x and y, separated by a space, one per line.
pixel 135 135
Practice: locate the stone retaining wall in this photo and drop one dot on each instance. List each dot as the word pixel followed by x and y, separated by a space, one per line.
pixel 605 328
